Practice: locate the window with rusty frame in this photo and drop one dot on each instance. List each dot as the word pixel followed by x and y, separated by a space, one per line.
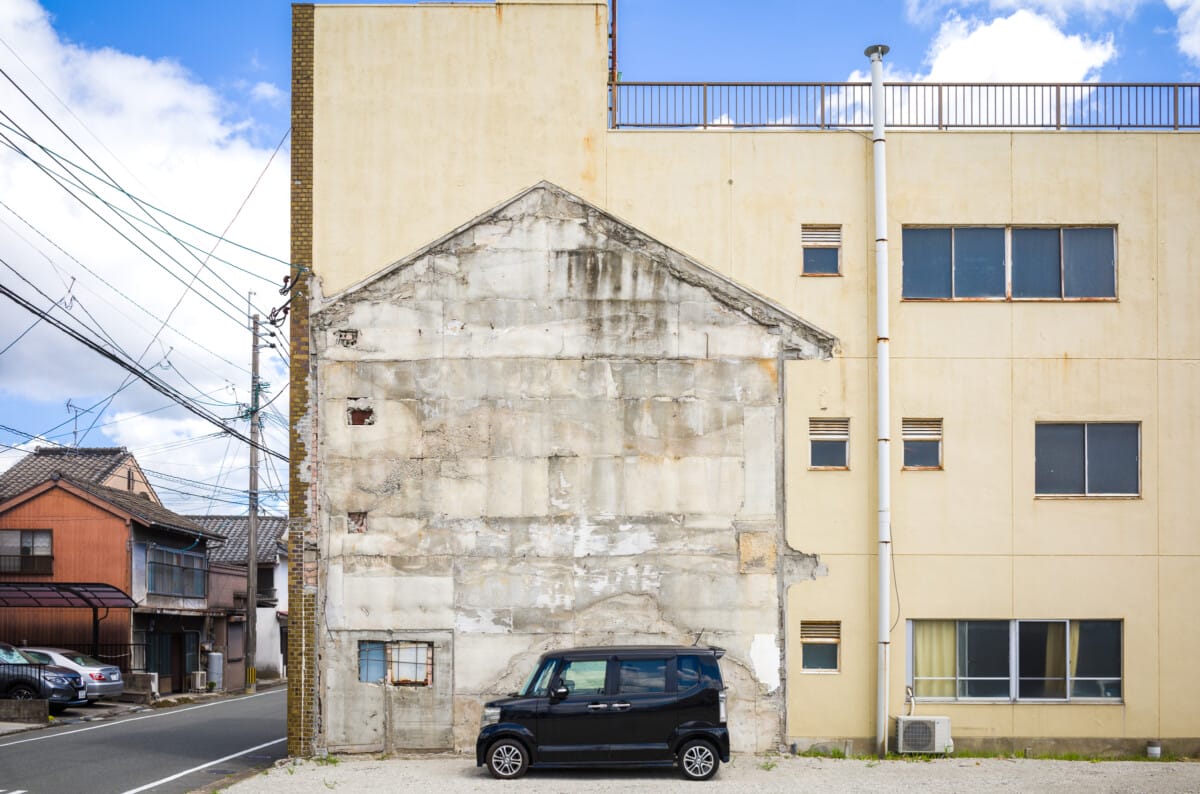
pixel 829 444
pixel 1009 263
pixel 922 439
pixel 399 663
pixel 822 247
pixel 820 646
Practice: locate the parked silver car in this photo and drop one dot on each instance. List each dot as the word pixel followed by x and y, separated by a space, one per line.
pixel 102 680
pixel 23 678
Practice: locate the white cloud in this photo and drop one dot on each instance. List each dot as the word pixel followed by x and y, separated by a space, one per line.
pixel 1022 47
pixel 267 92
pixel 166 138
pixel 925 11
pixel 1188 29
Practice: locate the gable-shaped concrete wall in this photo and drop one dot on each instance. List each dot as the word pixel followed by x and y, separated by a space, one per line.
pixel 573 438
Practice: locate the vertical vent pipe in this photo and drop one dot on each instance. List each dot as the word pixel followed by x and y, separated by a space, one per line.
pixel 882 398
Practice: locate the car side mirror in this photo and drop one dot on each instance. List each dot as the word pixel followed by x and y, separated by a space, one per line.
pixel 560 693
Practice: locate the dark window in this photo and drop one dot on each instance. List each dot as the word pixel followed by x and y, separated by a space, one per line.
pixel 983 659
pixel 1063 263
pixel 1042 662
pixel 642 676
pixel 978 263
pixel 693 670
pixel 1093 458
pixel 820 641
pixel 821 262
pixel 820 657
pixel 1036 263
pixel 1096 660
pixel 829 443
pixel 26 551
pixel 927 268
pixel 922 443
pixel 1089 263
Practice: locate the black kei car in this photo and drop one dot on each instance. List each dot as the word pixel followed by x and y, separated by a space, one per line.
pixel 22 678
pixel 639 705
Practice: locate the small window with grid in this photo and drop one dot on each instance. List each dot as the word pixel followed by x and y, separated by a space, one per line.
pixel 820 643
pixel 922 443
pixel 396 663
pixel 829 443
pixel 822 243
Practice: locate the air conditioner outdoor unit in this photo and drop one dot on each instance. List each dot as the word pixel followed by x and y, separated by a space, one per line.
pixel 924 735
pixel 199 681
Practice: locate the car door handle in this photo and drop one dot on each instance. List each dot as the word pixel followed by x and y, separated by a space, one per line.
pixel 620 706
pixel 597 706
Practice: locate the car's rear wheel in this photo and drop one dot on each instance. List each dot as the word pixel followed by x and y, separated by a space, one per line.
pixel 698 760
pixel 22 692
pixel 507 759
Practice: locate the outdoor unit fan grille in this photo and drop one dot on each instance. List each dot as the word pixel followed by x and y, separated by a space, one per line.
pixel 918 736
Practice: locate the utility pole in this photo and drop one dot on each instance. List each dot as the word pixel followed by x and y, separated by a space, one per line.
pixel 252 524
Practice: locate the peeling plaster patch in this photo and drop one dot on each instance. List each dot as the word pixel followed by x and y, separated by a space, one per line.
pixel 764 655
pixel 599 540
pixel 483 621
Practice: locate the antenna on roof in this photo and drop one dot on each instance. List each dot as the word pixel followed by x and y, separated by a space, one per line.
pixel 696 641
pixel 76 410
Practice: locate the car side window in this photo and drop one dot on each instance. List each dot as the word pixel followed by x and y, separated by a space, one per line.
pixel 40 658
pixel 642 676
pixel 688 672
pixel 584 676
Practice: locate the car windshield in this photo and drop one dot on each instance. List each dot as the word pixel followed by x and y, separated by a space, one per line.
pixel 13 656
pixel 538 682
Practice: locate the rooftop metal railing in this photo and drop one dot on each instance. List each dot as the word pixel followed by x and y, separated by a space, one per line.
pixel 1046 106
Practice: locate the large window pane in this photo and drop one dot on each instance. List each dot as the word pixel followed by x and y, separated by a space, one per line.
pixel 1112 458
pixel 1036 269
pixel 1096 658
pixel 933 658
pixel 983 658
pixel 926 263
pixel 372 661
pixel 1058 449
pixel 1042 659
pixel 1089 263
pixel 978 263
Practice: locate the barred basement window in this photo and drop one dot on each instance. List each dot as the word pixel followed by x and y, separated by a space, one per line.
pixel 822 245
pixel 395 663
pixel 829 443
pixel 922 443
pixel 820 641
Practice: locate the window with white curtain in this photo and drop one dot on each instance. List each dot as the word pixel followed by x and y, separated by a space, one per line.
pixel 1022 660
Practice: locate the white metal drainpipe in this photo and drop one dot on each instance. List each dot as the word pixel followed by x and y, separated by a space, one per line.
pixel 882 399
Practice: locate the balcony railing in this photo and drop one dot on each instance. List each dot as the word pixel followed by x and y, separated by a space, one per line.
pixel 1045 106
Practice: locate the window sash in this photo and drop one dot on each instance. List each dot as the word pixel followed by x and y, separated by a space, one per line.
pixel 947 263
pixel 1077 459
pixel 1061 661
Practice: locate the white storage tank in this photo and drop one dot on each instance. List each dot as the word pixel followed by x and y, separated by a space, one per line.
pixel 216 670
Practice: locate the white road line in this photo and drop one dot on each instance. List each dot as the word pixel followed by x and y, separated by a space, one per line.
pixel 118 721
pixel 149 786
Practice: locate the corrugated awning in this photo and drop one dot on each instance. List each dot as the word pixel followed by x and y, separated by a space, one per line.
pixel 63 594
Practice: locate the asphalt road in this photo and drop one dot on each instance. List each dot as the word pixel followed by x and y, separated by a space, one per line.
pixel 170 750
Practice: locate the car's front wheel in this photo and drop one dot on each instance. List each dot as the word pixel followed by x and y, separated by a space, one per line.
pixel 507 759
pixel 698 760
pixel 22 692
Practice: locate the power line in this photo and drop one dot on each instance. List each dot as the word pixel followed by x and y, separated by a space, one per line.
pixel 135 370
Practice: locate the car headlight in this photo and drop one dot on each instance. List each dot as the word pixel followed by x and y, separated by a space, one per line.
pixel 491 715
pixel 59 680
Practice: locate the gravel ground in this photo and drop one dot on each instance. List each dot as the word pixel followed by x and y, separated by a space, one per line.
pixel 456 773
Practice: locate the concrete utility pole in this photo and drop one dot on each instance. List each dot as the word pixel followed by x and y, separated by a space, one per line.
pixel 252 524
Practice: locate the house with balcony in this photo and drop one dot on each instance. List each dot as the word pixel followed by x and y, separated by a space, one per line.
pixel 63 522
pixel 889 390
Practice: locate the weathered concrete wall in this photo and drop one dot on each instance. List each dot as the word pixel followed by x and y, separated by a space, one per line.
pixel 573 439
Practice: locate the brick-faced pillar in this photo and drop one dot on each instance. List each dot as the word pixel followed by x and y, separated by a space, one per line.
pixel 302 573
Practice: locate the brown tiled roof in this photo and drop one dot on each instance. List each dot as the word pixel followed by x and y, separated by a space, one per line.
pixel 236 530
pixel 149 512
pixel 82 464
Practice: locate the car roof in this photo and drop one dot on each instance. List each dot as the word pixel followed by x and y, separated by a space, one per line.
pixel 634 650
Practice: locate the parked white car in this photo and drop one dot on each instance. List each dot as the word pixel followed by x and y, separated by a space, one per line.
pixel 102 680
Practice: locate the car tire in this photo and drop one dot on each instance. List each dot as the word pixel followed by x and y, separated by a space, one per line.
pixel 698 760
pixel 23 692
pixel 507 759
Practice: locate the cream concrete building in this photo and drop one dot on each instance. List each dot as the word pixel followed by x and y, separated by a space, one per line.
pixel 1044 350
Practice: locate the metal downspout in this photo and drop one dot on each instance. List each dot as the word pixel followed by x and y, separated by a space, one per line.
pixel 882 398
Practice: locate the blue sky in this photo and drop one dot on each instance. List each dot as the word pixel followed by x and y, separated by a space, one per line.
pixel 184 103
